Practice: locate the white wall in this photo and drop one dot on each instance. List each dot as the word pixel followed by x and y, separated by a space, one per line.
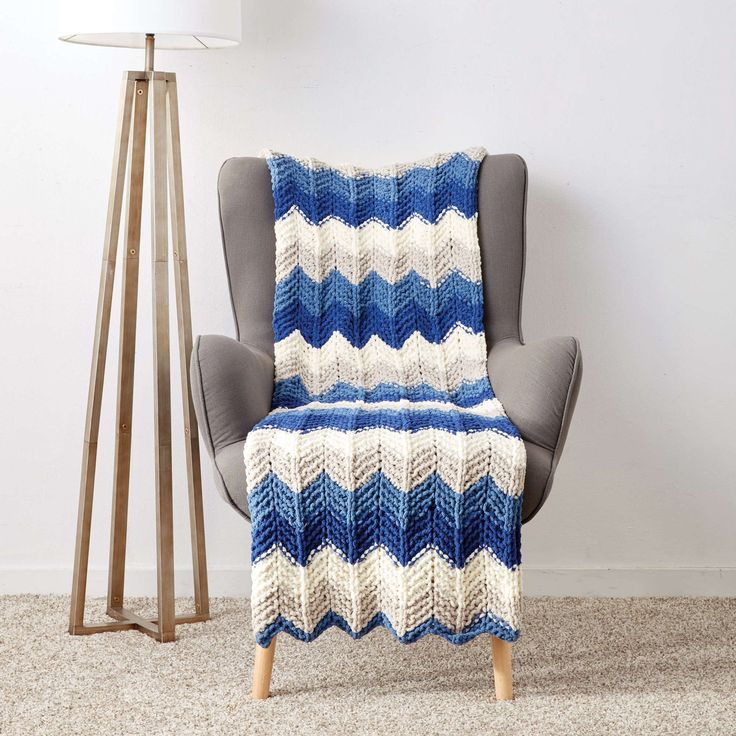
pixel 625 114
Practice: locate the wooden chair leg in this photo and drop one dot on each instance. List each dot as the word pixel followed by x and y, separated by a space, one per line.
pixel 262 670
pixel 502 669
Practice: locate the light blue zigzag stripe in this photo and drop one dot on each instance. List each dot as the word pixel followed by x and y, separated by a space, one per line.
pixel 291 393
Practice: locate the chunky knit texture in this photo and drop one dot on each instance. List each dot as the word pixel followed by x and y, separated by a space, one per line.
pixel 385 485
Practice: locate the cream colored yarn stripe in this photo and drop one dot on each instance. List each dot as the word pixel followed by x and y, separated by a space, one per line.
pixel 407 595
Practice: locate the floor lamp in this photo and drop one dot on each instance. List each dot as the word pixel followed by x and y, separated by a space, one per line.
pixel 148 102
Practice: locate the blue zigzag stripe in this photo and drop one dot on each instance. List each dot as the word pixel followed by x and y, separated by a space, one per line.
pixel 484 624
pixel 298 288
pixel 379 514
pixel 323 193
pixel 375 306
pixel 358 326
pixel 408 420
pixel 290 393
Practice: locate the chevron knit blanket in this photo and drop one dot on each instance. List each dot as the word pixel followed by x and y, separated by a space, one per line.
pixel 385 485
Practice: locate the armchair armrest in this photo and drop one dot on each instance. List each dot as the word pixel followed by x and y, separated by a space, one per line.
pixel 538 386
pixel 232 385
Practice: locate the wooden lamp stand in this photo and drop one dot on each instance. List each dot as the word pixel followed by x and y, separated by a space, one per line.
pixel 146 96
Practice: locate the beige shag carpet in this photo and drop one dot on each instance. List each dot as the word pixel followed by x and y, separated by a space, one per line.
pixel 582 666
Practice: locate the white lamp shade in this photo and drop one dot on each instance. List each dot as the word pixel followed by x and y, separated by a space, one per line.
pixel 177 24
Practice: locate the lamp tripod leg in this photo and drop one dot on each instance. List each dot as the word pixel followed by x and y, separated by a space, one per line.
pixel 126 368
pixel 97 374
pixel 184 321
pixel 162 373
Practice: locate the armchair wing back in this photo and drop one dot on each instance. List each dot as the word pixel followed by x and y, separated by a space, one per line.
pixel 232 379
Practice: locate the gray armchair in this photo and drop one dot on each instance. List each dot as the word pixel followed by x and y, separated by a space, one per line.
pixel 232 379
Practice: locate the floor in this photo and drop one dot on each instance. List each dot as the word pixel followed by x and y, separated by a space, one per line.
pixel 582 666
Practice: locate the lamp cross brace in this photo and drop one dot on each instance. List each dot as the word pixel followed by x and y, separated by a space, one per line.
pixel 147 98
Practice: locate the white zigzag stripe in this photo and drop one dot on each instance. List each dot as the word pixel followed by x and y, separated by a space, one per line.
pixel 357 172
pixel 433 251
pixel 487 408
pixel 407 595
pixel 375 219
pixel 405 458
pixel 444 366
